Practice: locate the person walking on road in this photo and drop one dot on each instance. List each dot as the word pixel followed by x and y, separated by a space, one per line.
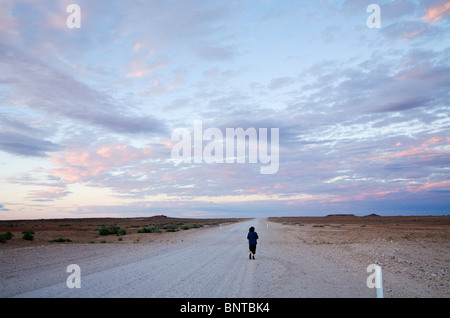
pixel 252 238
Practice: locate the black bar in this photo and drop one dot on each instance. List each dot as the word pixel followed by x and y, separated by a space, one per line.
pixel 211 307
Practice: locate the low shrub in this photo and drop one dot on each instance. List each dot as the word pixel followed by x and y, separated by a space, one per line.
pixel 121 232
pixel 28 235
pixel 112 229
pixel 5 237
pixel 149 230
pixel 60 240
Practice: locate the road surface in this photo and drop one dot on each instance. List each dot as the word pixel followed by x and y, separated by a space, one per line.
pixel 210 262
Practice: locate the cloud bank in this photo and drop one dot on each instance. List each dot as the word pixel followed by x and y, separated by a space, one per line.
pixel 362 113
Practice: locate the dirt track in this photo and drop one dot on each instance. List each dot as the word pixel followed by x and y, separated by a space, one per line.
pixel 207 262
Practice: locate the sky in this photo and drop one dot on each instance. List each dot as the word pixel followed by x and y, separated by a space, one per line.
pixel 88 111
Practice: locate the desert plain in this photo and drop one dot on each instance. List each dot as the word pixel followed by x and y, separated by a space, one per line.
pixel 296 256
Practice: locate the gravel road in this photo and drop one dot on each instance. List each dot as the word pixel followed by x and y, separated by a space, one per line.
pixel 208 262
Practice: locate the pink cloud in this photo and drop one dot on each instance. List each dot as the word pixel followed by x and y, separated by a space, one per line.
pixel 411 73
pixel 425 151
pixel 136 47
pixel 258 190
pixel 50 194
pixel 410 35
pixel 437 13
pixel 139 70
pixel 428 187
pixel 77 166
pixel 8 22
pixel 405 153
pixel 431 141
pixel 56 20
pixel 377 193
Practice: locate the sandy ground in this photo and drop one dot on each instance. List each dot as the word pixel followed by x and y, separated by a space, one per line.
pixel 293 260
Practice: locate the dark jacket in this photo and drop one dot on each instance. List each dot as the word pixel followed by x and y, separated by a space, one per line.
pixel 252 237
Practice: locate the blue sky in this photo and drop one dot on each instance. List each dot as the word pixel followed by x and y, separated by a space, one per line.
pixel 86 114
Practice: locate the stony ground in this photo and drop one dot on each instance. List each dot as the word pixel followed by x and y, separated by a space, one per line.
pixel 413 251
